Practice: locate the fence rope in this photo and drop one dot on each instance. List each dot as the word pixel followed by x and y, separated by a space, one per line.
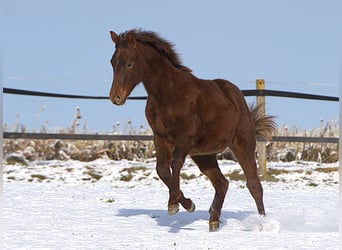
pixel 258 92
pixel 111 137
pixel 251 92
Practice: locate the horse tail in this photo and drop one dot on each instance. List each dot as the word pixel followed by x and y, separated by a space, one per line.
pixel 265 126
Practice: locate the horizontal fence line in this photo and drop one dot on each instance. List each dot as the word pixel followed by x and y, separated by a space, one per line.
pixel 90 137
pixel 252 92
pixel 305 139
pixel 100 137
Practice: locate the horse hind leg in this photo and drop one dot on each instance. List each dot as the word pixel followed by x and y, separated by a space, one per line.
pixel 244 151
pixel 209 167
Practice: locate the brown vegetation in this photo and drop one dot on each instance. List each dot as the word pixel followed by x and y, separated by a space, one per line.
pixel 33 150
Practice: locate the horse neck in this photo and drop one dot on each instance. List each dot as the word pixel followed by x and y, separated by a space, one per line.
pixel 159 73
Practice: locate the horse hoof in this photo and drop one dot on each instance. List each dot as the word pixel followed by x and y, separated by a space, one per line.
pixel 214 226
pixel 192 208
pixel 173 209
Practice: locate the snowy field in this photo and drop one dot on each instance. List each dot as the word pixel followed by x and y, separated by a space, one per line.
pixel 108 204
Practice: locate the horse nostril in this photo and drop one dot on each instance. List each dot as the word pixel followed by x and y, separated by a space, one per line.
pixel 117 99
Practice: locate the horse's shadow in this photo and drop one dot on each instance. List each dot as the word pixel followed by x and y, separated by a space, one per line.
pixel 181 220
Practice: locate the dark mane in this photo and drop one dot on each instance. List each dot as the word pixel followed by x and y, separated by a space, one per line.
pixel 156 42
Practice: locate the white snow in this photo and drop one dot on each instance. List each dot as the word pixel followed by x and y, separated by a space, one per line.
pixel 108 204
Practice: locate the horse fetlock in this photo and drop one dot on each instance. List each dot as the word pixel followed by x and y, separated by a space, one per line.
pixel 188 204
pixel 261 209
pixel 172 209
pixel 192 207
pixel 215 214
pixel 214 226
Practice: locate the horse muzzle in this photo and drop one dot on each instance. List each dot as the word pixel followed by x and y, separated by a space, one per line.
pixel 118 94
pixel 118 99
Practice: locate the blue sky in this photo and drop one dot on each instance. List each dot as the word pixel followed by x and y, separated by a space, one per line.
pixel 64 47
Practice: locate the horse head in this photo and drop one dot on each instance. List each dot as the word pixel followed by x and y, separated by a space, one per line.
pixel 127 67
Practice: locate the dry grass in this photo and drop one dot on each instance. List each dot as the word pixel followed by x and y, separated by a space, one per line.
pixel 129 173
pixel 77 150
pixel 117 150
pixel 319 152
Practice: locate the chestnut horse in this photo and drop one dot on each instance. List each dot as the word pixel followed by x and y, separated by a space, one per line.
pixel 188 116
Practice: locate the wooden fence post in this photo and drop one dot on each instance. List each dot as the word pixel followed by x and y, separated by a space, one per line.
pixel 261 146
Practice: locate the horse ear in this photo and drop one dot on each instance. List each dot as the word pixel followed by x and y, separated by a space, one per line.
pixel 114 36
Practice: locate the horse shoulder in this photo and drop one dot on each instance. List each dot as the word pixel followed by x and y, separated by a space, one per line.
pixel 158 117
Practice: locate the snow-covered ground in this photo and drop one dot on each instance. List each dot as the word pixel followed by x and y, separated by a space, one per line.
pixel 108 204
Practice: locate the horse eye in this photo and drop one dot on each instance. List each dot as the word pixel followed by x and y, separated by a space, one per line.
pixel 129 65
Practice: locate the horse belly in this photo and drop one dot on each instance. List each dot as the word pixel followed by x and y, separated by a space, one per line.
pixel 215 135
pixel 208 149
pixel 211 144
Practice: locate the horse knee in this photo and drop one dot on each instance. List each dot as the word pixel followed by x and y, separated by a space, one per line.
pixel 177 164
pixel 163 171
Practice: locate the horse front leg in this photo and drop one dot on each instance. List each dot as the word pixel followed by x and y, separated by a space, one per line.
pixel 164 173
pixel 167 160
pixel 174 191
pixel 176 195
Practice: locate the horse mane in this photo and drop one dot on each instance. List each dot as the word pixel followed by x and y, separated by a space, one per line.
pixel 152 39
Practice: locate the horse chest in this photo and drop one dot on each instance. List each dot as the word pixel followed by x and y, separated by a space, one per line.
pixel 161 120
pixel 167 120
